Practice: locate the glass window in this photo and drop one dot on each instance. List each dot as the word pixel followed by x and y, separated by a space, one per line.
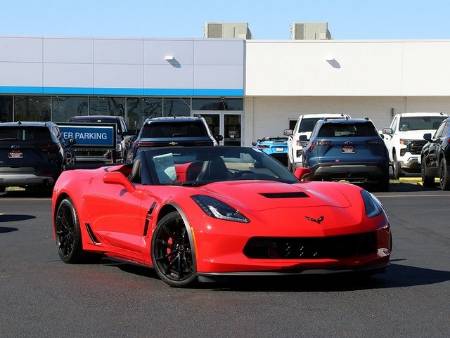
pixel 217 104
pixel 64 107
pixel 6 108
pixel 174 129
pixel 25 134
pixel 420 122
pixel 292 124
pixel 347 130
pixel 177 107
pixel 107 106
pixel 140 108
pixel 32 108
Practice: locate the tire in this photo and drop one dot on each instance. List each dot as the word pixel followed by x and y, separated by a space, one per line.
pixel 172 253
pixel 397 172
pixel 427 181
pixel 383 184
pixel 289 166
pixel 68 233
pixel 444 175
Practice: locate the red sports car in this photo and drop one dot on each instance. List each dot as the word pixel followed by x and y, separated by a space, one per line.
pixel 207 211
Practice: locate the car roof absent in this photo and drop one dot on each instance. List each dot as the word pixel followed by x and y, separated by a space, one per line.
pixel 26 124
pixel 173 119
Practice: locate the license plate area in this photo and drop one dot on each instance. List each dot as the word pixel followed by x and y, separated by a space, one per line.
pixel 348 149
pixel 15 154
pixel 279 150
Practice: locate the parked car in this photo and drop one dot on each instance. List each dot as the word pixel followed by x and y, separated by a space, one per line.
pixel 172 131
pixel 123 140
pixel 404 139
pixel 200 212
pixel 31 154
pixel 298 138
pixel 348 149
pixel 274 146
pixel 435 157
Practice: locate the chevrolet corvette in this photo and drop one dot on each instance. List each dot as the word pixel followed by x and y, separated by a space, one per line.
pixel 201 212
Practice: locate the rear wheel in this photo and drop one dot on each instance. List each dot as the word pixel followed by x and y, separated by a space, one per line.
pixel 172 254
pixel 444 177
pixel 397 169
pixel 427 180
pixel 68 233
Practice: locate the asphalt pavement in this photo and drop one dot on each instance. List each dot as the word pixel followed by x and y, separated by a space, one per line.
pixel 42 297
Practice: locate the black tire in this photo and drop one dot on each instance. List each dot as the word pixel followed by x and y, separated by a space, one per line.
pixel 172 253
pixel 68 233
pixel 397 172
pixel 383 184
pixel 427 180
pixel 444 175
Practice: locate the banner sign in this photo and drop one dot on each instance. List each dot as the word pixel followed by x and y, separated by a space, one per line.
pixel 89 135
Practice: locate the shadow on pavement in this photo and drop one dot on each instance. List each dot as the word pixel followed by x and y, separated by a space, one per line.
pixel 15 218
pixel 4 230
pixel 26 193
pixel 409 187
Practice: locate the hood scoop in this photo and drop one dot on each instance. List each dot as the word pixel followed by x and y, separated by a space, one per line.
pixel 295 194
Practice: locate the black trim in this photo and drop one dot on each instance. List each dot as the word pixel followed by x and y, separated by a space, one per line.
pixel 91 234
pixel 148 217
pixel 299 194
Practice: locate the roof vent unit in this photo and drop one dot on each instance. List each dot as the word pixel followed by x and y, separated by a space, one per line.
pixel 310 31
pixel 218 30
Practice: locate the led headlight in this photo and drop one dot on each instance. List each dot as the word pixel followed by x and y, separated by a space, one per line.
pixel 218 209
pixel 371 203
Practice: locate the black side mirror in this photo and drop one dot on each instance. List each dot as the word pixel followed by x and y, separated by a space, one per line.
pixel 427 137
pixel 303 138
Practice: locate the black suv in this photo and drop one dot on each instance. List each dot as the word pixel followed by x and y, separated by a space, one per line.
pixel 123 140
pixel 31 154
pixel 172 131
pixel 348 149
pixel 435 157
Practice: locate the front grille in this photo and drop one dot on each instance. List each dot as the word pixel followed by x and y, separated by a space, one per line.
pixel 311 247
pixel 415 147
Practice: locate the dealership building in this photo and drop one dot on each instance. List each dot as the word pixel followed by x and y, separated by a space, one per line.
pixel 246 89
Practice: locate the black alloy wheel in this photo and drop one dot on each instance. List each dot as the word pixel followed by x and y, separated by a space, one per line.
pixel 172 253
pixel 444 177
pixel 68 235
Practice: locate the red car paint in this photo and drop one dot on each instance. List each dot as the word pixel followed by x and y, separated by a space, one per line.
pixel 120 219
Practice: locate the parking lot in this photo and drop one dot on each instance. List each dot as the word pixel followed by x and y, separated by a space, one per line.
pixel 41 296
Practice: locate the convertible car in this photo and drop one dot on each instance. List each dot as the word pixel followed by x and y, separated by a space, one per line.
pixel 197 213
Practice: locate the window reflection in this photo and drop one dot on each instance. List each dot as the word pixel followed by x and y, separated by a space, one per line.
pixel 138 109
pixel 177 107
pixel 217 104
pixel 6 108
pixel 65 107
pixel 32 108
pixel 107 106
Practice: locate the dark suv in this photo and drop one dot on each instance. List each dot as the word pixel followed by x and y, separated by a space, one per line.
pixel 100 155
pixel 172 131
pixel 435 157
pixel 31 154
pixel 348 149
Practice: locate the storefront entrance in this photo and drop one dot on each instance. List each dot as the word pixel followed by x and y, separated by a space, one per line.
pixel 226 124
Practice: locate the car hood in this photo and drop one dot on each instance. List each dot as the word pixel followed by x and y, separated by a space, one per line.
pixel 414 134
pixel 266 195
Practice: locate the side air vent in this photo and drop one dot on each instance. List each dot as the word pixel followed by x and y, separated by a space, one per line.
pixel 91 234
pixel 299 194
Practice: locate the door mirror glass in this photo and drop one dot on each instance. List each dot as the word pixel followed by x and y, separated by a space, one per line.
pixel 288 132
pixel 427 137
pixel 388 131
pixel 119 179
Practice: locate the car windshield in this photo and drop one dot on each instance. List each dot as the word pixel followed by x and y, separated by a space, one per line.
pixel 203 165
pixel 25 134
pixel 174 129
pixel 308 124
pixel 420 122
pixel 347 130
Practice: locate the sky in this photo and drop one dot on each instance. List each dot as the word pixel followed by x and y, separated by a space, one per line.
pixel 268 19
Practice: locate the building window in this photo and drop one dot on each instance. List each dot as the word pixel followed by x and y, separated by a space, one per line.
pixel 177 107
pixel 217 104
pixel 292 124
pixel 6 108
pixel 64 107
pixel 32 108
pixel 140 108
pixel 107 106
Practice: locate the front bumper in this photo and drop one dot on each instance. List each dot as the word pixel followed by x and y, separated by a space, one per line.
pixel 358 172
pixel 410 163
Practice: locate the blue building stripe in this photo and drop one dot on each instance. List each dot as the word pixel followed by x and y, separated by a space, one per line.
pixel 119 91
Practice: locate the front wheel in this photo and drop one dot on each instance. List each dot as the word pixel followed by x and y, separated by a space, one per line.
pixel 427 181
pixel 397 169
pixel 172 253
pixel 444 177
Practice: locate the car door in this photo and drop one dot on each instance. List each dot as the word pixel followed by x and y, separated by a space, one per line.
pixel 119 217
pixel 435 146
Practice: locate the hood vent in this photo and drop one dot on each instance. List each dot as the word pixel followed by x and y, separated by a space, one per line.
pixel 299 194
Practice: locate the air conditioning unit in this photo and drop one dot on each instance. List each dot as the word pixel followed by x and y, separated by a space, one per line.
pixel 217 30
pixel 310 31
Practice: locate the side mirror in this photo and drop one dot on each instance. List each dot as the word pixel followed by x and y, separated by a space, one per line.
pixel 116 177
pixel 253 143
pixel 301 173
pixel 303 138
pixel 427 137
pixel 388 131
pixel 288 132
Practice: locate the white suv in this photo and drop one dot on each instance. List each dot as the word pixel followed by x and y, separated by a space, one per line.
pixel 404 139
pixel 299 137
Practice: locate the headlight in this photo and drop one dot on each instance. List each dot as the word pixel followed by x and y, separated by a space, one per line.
pixel 371 203
pixel 405 142
pixel 218 209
